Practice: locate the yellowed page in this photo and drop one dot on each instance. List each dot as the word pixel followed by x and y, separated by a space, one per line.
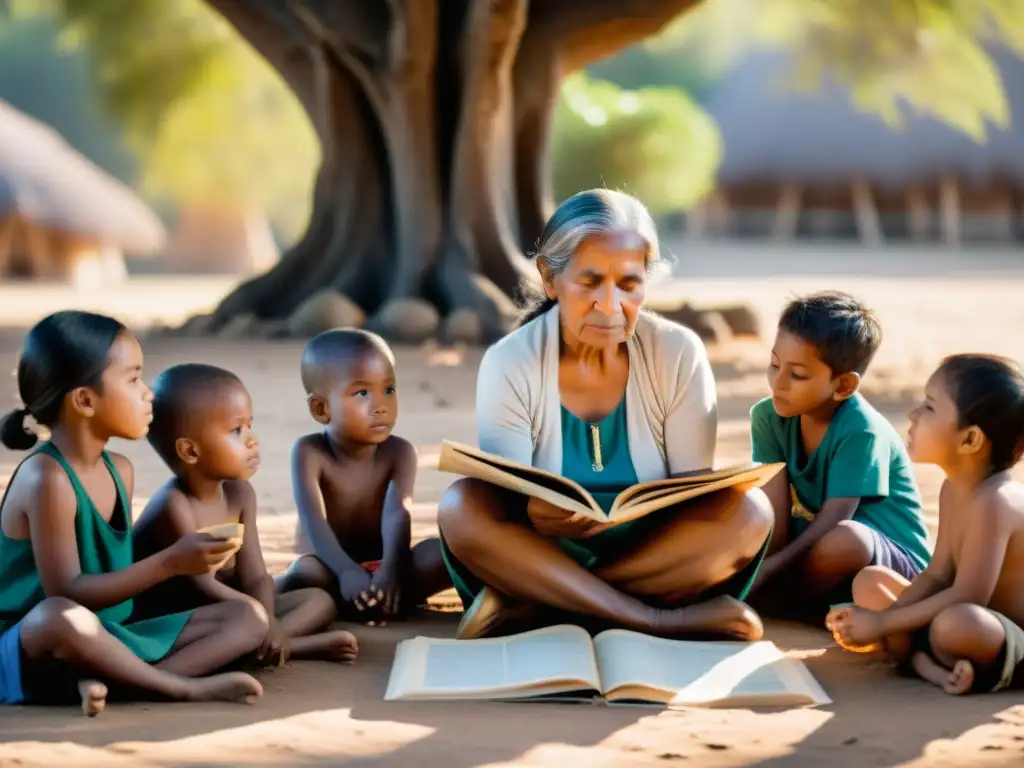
pixel 681 673
pixel 545 661
pixel 638 507
pixel 467 461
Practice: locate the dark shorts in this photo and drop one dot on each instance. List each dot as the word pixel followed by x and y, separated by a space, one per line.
pixel 11 689
pixel 888 554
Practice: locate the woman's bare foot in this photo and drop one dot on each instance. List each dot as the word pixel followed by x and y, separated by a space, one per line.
pixel 338 645
pixel 236 687
pixel 93 695
pixel 722 615
pixel 960 679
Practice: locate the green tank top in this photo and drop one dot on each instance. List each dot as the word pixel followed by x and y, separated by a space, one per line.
pixel 103 547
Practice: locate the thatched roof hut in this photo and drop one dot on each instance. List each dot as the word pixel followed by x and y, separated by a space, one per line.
pixel 789 151
pixel 56 206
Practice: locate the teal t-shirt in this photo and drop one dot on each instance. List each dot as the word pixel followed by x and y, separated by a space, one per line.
pixel 861 456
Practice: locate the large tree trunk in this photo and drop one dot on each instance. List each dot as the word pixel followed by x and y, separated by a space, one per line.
pixel 434 117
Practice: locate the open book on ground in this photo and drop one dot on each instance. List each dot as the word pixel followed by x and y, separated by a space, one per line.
pixel 636 501
pixel 616 666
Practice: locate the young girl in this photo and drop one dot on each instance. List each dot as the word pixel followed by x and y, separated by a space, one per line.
pixel 66 574
pixel 961 622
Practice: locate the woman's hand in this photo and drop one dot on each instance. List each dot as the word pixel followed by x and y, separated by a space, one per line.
pixel 555 522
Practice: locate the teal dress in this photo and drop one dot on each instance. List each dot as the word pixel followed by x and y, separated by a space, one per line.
pixel 103 547
pixel 604 481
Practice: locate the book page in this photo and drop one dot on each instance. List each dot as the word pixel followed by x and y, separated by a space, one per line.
pixel 470 462
pixel 550 660
pixel 649 497
pixel 688 673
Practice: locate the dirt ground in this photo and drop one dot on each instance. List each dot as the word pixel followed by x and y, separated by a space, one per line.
pixel 319 714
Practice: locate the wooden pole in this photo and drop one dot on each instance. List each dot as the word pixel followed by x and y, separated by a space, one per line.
pixel 918 214
pixel 787 211
pixel 867 215
pixel 949 210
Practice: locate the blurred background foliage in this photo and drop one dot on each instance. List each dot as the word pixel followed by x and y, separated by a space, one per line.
pixel 164 95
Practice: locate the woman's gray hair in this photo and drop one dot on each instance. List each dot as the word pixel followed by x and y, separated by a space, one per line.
pixel 592 213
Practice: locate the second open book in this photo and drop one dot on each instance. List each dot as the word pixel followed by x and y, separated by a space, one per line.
pixel 616 667
pixel 636 501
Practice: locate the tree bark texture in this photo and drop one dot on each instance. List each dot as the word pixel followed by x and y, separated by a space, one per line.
pixel 434 118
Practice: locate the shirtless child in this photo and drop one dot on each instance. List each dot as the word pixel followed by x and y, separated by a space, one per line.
pixel 353 484
pixel 202 429
pixel 960 622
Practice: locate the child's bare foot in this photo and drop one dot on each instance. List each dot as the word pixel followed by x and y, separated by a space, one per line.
pixel 93 695
pixel 338 645
pixel 929 669
pixel 960 679
pixel 236 687
pixel 721 615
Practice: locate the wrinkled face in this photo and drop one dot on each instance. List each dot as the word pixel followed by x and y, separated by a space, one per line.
pixel 799 380
pixel 934 426
pixel 225 446
pixel 601 290
pixel 122 406
pixel 363 406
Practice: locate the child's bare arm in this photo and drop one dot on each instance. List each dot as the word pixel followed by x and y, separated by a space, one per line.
pixel 312 512
pixel 396 518
pixel 396 526
pixel 51 519
pixel 939 573
pixel 174 508
pixel 250 565
pixel 833 512
pixel 977 569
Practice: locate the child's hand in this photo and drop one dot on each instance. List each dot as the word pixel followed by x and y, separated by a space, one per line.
pixel 386 587
pixel 855 629
pixel 354 586
pixel 275 648
pixel 196 554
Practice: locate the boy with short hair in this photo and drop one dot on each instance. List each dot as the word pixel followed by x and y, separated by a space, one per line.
pixel 353 484
pixel 202 429
pixel 847 498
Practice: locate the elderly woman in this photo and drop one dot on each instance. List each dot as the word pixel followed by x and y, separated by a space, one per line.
pixel 593 388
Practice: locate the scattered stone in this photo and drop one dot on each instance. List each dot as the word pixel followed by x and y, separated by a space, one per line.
pixel 850 741
pixel 406 321
pixel 742 320
pixel 240 327
pixel 717 747
pixel 196 326
pixel 324 310
pixel 440 403
pixel 709 325
pixel 463 326
pixel 671 756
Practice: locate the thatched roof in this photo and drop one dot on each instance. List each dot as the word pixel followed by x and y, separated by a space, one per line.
pixel 45 181
pixel 774 133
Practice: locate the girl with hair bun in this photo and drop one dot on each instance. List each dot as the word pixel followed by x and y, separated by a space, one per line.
pixel 66 573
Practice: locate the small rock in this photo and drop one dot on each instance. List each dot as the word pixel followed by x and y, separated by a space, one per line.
pixel 240 327
pixel 323 311
pixel 717 747
pixel 196 326
pixel 850 741
pixel 463 326
pixel 406 321
pixel 741 319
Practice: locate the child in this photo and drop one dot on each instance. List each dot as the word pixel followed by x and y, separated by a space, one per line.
pixel 847 498
pixel 960 622
pixel 66 574
pixel 202 429
pixel 353 484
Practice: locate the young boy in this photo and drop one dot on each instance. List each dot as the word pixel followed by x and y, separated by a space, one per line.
pixel 847 498
pixel 202 429
pixel 960 623
pixel 353 484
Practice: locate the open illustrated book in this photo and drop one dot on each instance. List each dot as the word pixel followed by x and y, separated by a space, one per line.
pixel 615 667
pixel 636 501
